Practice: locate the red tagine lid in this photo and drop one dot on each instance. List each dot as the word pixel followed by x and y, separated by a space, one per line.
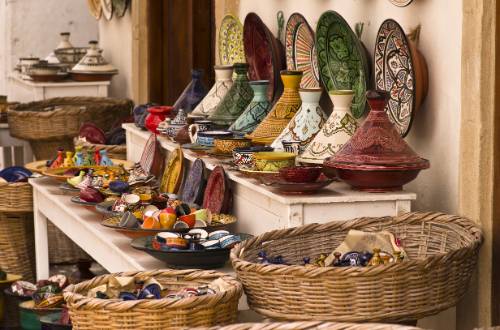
pixel 377 144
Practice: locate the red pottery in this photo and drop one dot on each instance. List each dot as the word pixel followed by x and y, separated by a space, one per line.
pixel 156 115
pixel 376 158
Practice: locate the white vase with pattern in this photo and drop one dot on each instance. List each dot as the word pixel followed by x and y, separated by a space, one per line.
pixel 223 82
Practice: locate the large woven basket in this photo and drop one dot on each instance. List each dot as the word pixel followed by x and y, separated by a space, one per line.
pixel 208 310
pixel 54 122
pixel 62 249
pixel 312 325
pixel 115 151
pixel 16 197
pixel 442 249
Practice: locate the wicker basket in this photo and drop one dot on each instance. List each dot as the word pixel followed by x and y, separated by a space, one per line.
pixel 443 251
pixel 62 249
pixel 16 197
pixel 55 122
pixel 312 325
pixel 208 310
pixel 17 244
pixel 114 151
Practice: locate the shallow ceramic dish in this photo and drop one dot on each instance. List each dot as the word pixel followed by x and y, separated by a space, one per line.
pixel 218 195
pixel 58 173
pixel 106 209
pixel 273 161
pixel 243 157
pixel 91 76
pixel 301 174
pixel 15 174
pixel 66 187
pixel 194 186
pixel 204 259
pixel 207 138
pixel 219 222
pixel 294 188
pixel 78 200
pixel 50 77
pixel 195 147
pixel 174 172
pixel 226 145
pixel 255 174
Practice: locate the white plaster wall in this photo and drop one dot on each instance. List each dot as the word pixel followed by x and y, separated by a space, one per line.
pixel 115 38
pixel 32 27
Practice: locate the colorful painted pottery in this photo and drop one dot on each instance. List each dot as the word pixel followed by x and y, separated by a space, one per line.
pixel 341 59
pixel 157 114
pixel 301 50
pixel 292 146
pixel 243 157
pixel 93 66
pixel 172 176
pixel 264 53
pixel 228 144
pixel 192 94
pixel 273 161
pixel 223 82
pixel 376 158
pixel 301 174
pixel 198 126
pixel 306 123
pixel 256 111
pixel 194 187
pixel 401 70
pixel 236 100
pixel 218 195
pixel 282 112
pixel 207 138
pixel 292 188
pixel 337 130
pixel 230 40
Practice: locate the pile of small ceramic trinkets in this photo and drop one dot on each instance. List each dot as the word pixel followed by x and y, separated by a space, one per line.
pixel 195 239
pixel 45 293
pixel 66 61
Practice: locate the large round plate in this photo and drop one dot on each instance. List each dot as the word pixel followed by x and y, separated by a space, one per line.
pixel 264 54
pixel 231 48
pixel 120 7
pixel 395 73
pixel 341 59
pixel 194 187
pixel 291 188
pixel 301 50
pixel 107 9
pixel 95 8
pixel 217 192
pixel 172 177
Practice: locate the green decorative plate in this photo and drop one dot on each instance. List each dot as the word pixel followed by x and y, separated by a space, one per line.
pixel 231 48
pixel 341 59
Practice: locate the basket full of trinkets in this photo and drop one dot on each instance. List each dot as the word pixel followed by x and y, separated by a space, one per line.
pixel 388 269
pixel 162 299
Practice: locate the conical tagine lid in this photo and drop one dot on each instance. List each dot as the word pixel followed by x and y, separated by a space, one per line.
pixel 377 143
pixel 93 62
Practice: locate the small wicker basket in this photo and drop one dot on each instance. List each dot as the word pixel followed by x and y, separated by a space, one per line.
pixel 442 249
pixel 311 325
pixel 16 197
pixel 209 310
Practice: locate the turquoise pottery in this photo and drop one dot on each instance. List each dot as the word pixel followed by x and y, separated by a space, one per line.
pixel 236 100
pixel 256 111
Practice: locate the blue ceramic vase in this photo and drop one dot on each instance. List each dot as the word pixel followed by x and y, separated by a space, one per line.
pixel 194 92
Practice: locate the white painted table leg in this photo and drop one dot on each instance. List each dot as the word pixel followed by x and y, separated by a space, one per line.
pixel 295 215
pixel 41 242
pixel 403 207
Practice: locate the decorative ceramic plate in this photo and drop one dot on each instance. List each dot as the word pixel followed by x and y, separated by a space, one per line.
pixel 107 9
pixel 195 147
pixel 301 50
pixel 341 59
pixel 106 209
pixel 231 41
pixel 395 73
pixel 217 192
pixel 194 187
pixel 291 188
pixel 151 161
pixel 120 7
pixel 61 175
pixel 66 187
pixel 78 200
pixel 264 54
pixel 401 3
pixel 172 176
pixel 95 8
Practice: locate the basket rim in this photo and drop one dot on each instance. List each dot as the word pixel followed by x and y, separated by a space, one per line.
pixel 76 300
pixel 239 264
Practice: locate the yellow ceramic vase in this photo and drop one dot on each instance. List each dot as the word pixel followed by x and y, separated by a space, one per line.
pixel 282 112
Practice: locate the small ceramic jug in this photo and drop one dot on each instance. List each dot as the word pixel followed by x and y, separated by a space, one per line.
pixel 198 126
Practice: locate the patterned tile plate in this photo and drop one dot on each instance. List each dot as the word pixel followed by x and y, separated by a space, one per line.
pixel 341 60
pixel 107 9
pixel 395 73
pixel 120 7
pixel 231 48
pixel 95 8
pixel 401 3
pixel 174 170
pixel 301 50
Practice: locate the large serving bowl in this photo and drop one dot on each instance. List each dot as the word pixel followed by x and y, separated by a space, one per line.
pixel 207 138
pixel 226 145
pixel 273 161
pixel 243 157
pixel 301 174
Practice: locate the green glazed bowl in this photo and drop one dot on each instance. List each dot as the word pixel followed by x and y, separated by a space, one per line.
pixel 273 161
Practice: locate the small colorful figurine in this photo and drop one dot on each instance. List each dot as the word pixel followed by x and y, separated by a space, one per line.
pixel 105 160
pixel 77 150
pixel 75 181
pixel 68 161
pixel 89 159
pixel 375 260
pixel 59 161
pixel 97 157
pixel 320 261
pixel 79 158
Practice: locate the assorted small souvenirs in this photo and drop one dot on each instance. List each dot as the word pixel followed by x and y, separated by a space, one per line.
pixel 97 157
pixel 45 293
pixel 195 240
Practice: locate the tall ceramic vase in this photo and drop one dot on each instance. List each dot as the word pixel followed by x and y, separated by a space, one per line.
pixel 236 100
pixel 337 130
pixel 282 112
pixel 223 82
pixel 193 93
pixel 307 121
pixel 256 111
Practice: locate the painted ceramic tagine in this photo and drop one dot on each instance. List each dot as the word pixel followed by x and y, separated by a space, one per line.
pixel 376 158
pixel 64 43
pixel 337 130
pixel 193 93
pixel 282 112
pixel 93 66
pixel 223 82
pixel 307 121
pixel 256 111
pixel 236 100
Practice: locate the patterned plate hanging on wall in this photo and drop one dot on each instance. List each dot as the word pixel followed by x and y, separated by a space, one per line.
pixel 107 9
pixel 95 8
pixel 401 3
pixel 341 59
pixel 120 7
pixel 301 50
pixel 231 41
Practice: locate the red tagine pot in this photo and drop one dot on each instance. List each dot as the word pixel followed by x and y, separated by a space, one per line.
pixel 376 158
pixel 156 115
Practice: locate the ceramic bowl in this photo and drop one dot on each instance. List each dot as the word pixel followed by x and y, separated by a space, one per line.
pixel 301 174
pixel 227 145
pixel 172 130
pixel 44 69
pixel 273 161
pixel 243 157
pixel 207 138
